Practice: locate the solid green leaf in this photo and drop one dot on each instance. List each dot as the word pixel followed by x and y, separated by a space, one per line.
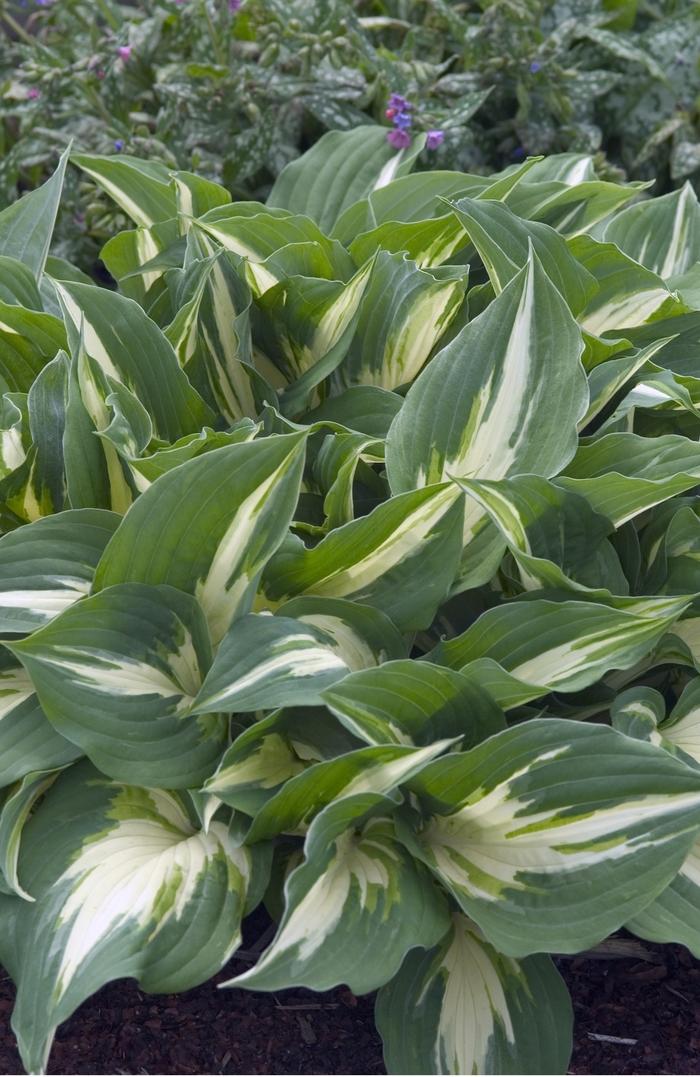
pixel 26 226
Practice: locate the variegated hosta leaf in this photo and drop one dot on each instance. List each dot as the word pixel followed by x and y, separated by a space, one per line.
pixel 361 635
pixel 307 326
pixel 338 170
pixel 28 742
pixel 682 333
pixel 637 713
pixel 417 199
pixel 211 334
pixel 48 565
pixel 95 478
pixel 505 395
pixel 504 241
pixel 117 675
pixel 342 459
pixel 662 390
pixel 129 428
pixel 147 468
pixel 287 661
pixel 607 378
pixel 375 772
pixel 139 258
pixel 210 526
pixel 465 1008
pixel 353 908
pixel 403 313
pixel 412 199
pixel 29 339
pixel 265 662
pixel 428 243
pixel 673 916
pixel 554 535
pixel 130 348
pixel 572 210
pixel 195 195
pixel 380 559
pixel 272 750
pixel 568 168
pixel 628 294
pixel 621 475
pixel 96 474
pixel 46 402
pixel 407 702
pixel 661 233
pixel 687 285
pixel 259 233
pixel 15 438
pixel 563 646
pixel 682 729
pixel 124 885
pixel 551 834
pixel 16 808
pixel 141 188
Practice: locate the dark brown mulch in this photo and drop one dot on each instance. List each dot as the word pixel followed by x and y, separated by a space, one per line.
pixel 651 997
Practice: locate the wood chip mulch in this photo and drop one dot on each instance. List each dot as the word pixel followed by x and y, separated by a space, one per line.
pixel 637 1010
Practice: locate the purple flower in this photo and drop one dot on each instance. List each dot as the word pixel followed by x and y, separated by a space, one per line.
pixel 234 6
pixel 400 140
pixel 119 144
pixel 396 101
pixel 124 52
pixel 399 112
pixel 518 153
pixel 33 93
pixel 535 66
pixel 434 139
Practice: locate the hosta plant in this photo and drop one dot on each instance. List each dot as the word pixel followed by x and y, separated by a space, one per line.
pixel 350 564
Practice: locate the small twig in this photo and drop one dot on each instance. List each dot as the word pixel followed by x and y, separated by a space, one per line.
pixel 611 1039
pixel 676 993
pixel 310 1006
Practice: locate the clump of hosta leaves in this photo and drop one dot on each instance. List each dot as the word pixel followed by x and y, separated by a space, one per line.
pixel 350 564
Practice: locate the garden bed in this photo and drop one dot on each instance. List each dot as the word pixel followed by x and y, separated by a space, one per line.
pixel 650 998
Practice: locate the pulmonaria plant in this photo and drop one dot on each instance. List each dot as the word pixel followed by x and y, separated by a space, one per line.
pixel 349 563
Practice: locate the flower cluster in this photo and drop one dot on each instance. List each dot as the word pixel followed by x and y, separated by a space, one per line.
pixel 399 111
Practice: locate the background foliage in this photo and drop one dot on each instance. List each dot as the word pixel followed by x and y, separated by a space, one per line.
pixel 235 91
